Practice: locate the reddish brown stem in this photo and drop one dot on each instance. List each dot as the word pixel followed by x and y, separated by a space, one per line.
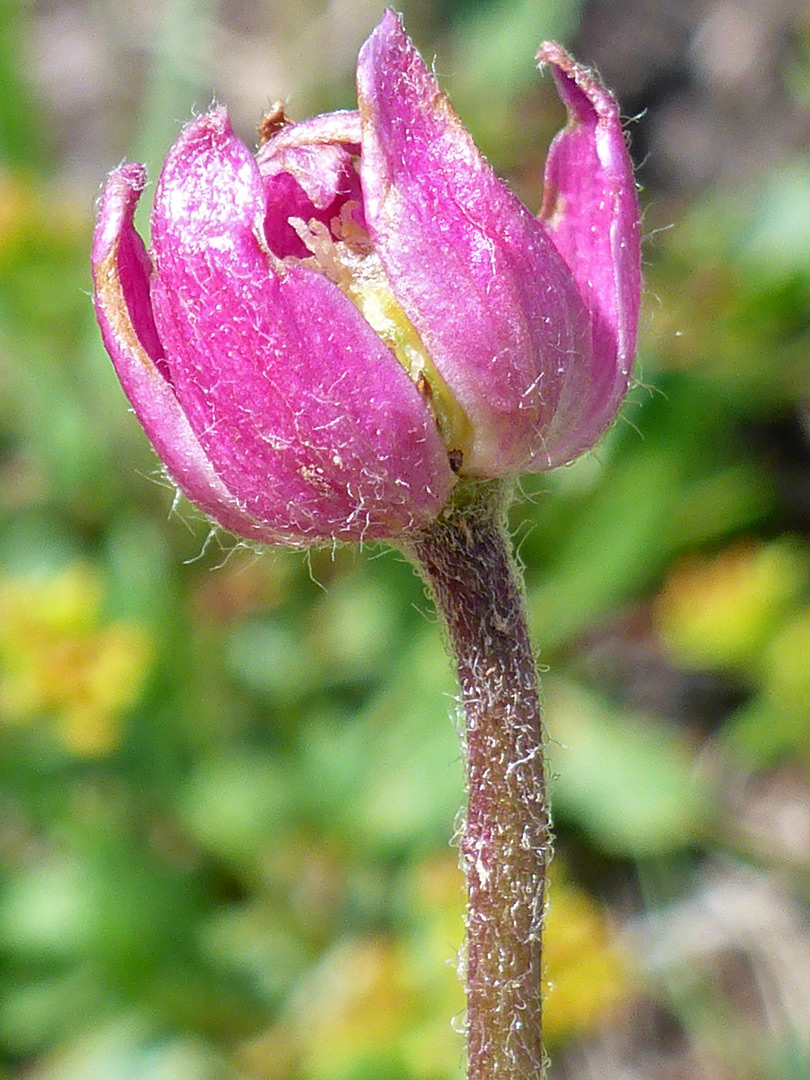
pixel 466 558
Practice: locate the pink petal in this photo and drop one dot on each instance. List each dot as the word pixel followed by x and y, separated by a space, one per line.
pixel 490 296
pixel 307 417
pixel 308 171
pixel 341 128
pixel 591 212
pixel 121 271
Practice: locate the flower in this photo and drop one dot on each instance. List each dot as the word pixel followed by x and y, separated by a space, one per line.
pixel 60 661
pixel 326 335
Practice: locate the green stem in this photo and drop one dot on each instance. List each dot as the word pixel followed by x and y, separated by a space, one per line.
pixel 465 556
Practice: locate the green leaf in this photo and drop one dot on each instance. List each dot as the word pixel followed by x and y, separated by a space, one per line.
pixel 627 780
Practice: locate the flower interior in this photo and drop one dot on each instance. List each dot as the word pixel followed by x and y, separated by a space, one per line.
pixel 334 241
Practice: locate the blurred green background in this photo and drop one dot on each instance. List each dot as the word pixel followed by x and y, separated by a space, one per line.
pixel 229 781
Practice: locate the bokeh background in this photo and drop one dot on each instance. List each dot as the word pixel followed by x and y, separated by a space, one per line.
pixel 229 781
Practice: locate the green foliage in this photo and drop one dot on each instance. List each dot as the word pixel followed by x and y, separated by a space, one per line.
pixel 627 781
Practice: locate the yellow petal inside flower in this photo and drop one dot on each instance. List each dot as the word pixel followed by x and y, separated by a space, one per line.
pixel 351 262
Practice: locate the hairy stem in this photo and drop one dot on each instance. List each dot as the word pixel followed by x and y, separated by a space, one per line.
pixel 465 556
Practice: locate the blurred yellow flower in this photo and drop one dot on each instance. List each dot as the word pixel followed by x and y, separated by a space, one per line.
pixel 587 974
pixel 377 999
pixel 25 213
pixel 352 1006
pixel 721 611
pixel 434 897
pixel 60 661
pixel 17 207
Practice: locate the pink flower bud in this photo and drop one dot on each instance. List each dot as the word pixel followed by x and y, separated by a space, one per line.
pixel 325 335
